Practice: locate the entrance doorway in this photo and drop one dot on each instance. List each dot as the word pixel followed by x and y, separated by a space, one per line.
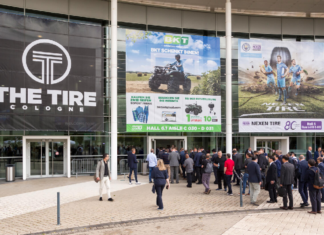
pixel 166 142
pixel 46 157
pixel 270 144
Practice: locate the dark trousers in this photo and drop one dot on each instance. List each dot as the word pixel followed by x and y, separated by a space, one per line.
pixel 303 191
pixel 322 192
pixel 130 174
pixel 238 172
pixel 183 171
pixel 220 177
pixel 262 178
pixel 215 174
pixel 189 179
pixel 295 182
pixel 228 181
pixel 272 192
pixel 159 190
pixel 288 195
pixel 198 174
pixel 315 199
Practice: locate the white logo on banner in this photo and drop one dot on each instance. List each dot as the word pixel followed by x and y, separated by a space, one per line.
pixel 48 59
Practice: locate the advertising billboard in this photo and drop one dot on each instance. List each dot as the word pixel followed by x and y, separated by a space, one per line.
pixel 172 82
pixel 281 86
pixel 50 81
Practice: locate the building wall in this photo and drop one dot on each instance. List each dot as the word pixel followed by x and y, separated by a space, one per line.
pixel 166 20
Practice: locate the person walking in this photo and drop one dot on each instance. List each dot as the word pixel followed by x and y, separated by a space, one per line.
pixel 254 180
pixel 151 159
pixel 219 163
pixel 278 164
pixel 182 159
pixel 228 170
pixel 160 153
pixel 132 163
pixel 263 163
pixel 192 156
pixel 103 174
pixel 321 169
pixel 214 167
pixel 238 162
pixel 197 161
pixel 174 158
pixel 165 158
pixel 207 168
pixel 189 165
pixel 248 159
pixel 287 179
pixel 318 154
pixel 271 180
pixel 314 194
pixel 161 177
pixel 302 185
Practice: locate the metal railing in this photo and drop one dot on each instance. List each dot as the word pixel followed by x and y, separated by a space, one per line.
pixel 84 166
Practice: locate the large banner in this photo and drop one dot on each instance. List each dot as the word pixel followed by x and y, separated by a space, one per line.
pixel 50 81
pixel 281 86
pixel 172 82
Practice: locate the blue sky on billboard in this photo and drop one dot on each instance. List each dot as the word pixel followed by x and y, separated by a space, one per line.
pixel 199 54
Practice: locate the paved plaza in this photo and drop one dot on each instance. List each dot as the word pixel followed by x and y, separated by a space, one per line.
pixel 30 207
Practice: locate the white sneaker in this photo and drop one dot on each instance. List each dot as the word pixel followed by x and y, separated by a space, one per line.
pixel 130 183
pixel 138 183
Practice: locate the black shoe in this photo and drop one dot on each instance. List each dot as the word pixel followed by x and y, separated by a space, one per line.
pixel 225 189
pixel 270 202
pixel 110 199
pixel 100 199
pixel 278 100
pixel 151 182
pixel 219 189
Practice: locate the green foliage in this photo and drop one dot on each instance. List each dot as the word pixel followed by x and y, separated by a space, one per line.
pixel 210 84
pixel 134 35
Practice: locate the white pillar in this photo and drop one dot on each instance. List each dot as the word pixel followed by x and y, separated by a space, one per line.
pixel 228 77
pixel 113 90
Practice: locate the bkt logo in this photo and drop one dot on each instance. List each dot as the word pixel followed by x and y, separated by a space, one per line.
pixel 177 40
pixel 49 61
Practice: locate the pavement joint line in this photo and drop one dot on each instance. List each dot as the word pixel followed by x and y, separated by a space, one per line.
pixel 141 221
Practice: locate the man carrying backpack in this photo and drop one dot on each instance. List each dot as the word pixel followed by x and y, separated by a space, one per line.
pixel 312 178
pixel 207 169
pixel 228 171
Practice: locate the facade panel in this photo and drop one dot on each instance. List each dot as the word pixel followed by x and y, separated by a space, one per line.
pixel 297 26
pixel 266 25
pixel 163 17
pixel 131 13
pixel 13 3
pixel 198 20
pixel 92 9
pixel 55 6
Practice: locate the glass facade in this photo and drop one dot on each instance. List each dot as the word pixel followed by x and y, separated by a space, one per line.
pixel 93 144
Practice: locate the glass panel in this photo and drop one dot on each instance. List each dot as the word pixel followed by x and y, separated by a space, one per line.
pixel 56 157
pixel 260 144
pixel 37 158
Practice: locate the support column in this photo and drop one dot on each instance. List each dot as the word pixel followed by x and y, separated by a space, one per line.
pixel 113 91
pixel 228 77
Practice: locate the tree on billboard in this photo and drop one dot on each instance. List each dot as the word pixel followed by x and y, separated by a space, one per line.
pixel 210 84
pixel 134 35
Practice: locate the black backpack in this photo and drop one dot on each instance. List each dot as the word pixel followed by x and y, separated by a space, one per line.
pixel 318 180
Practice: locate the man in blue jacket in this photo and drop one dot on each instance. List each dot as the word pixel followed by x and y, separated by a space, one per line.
pixel 254 180
pixel 197 161
pixel 302 169
pixel 278 164
pixel 321 168
pixel 318 153
pixel 182 159
pixel 132 163
pixel 314 194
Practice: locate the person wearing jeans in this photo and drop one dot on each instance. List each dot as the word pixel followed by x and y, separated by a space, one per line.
pixel 132 163
pixel 205 175
pixel 161 177
pixel 255 180
pixel 228 171
pixel 152 161
pixel 248 159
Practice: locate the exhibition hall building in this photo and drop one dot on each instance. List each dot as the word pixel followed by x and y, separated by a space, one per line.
pixel 80 78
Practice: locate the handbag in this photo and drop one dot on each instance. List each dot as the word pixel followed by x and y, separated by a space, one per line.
pixel 153 189
pixel 282 192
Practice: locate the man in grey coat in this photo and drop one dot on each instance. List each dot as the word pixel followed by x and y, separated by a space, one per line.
pixel 286 180
pixel 103 174
pixel 174 159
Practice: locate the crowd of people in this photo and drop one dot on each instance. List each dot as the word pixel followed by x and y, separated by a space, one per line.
pixel 278 174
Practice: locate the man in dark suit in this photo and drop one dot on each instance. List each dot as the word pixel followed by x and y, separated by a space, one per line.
pixel 254 172
pixel 287 179
pixel 160 153
pixel 214 168
pixel 249 150
pixel 309 153
pixel 278 164
pixel 219 163
pixel 302 187
pixel 271 180
pixel 197 161
pixel 132 163
pixel 263 163
pixel 318 153
pixel 192 155
pixel 203 151
pixel 238 161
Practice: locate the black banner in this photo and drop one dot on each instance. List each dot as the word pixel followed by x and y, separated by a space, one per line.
pixel 50 81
